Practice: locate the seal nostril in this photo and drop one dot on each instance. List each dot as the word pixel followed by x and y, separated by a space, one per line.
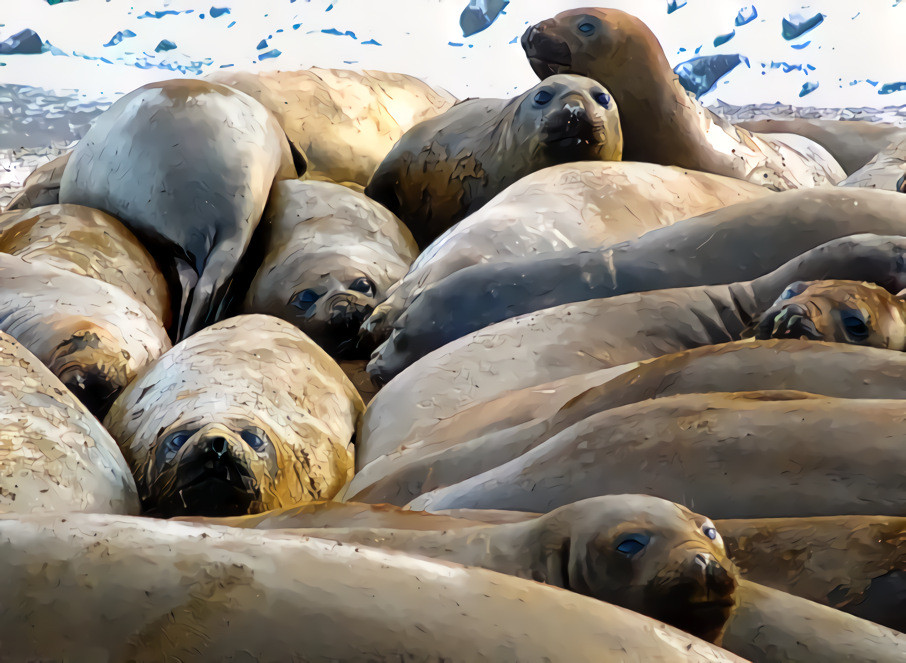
pixel 218 446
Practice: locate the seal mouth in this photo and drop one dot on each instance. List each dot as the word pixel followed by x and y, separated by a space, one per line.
pixel 209 487
pixel 791 322
pixel 546 68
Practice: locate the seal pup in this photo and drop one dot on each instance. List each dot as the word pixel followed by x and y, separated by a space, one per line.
pixel 345 122
pixel 87 242
pixel 42 186
pixel 187 166
pixel 840 311
pixel 90 334
pixel 662 123
pixel 180 591
pixel 331 254
pixel 586 204
pixel 244 416
pixel 55 456
pixel 447 167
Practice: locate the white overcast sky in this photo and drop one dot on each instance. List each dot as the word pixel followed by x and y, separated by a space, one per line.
pixel 857 41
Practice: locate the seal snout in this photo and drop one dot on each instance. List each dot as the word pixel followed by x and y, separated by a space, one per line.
pixel 547 54
pixel 93 369
pixel 792 321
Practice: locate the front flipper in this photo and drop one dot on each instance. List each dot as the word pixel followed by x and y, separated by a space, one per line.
pixel 208 298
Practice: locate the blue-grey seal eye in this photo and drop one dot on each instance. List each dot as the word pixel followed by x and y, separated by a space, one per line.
pixel 543 97
pixel 252 439
pixel 304 300
pixel 633 543
pixel 709 531
pixel 603 98
pixel 855 325
pixel 794 289
pixel 175 441
pixel 363 285
pixel 586 28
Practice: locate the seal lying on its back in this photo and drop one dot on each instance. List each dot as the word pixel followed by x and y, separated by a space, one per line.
pixel 187 166
pixel 447 167
pixel 244 416
pixel 345 122
pixel 331 254
pixel 661 122
pixel 55 456
pixel 87 242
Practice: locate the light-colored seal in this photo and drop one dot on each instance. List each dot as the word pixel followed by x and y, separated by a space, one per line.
pixel 662 123
pixel 42 186
pixel 345 122
pixel 331 254
pixel 885 171
pixel 244 416
pixel 179 591
pixel 187 166
pixel 87 242
pixel 841 311
pixel 433 452
pixel 92 335
pixel 55 456
pixel 447 167
pixel 733 455
pixel 586 204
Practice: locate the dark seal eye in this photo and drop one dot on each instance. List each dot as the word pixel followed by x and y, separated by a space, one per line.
pixel 253 440
pixel 175 441
pixel 363 285
pixel 586 28
pixel 855 325
pixel 543 97
pixel 304 300
pixel 632 544
pixel 603 98
pixel 709 531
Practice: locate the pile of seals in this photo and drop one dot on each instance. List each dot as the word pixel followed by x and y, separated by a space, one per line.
pixel 326 365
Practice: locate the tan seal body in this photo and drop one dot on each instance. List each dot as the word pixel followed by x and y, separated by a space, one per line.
pixel 174 590
pixel 186 165
pixel 447 167
pixel 42 186
pixel 55 456
pixel 345 122
pixel 740 455
pixel 437 451
pixel 91 335
pixel 854 563
pixel 662 123
pixel 574 205
pixel 87 242
pixel 331 254
pixel 246 415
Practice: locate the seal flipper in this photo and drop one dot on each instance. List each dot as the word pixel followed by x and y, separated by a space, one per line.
pixel 187 278
pixel 208 297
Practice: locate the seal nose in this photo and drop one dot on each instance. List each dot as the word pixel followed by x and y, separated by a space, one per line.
pixel 349 310
pixel 529 36
pixel 218 446
pixel 718 579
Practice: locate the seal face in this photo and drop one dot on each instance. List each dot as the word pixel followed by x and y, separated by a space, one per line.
pixel 840 311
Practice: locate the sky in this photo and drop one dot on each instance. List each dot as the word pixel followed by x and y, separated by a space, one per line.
pixel 856 50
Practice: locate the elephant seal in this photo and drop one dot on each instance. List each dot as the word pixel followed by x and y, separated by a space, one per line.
pixel 345 122
pixel 55 456
pixel 662 123
pixel 331 253
pixel 456 307
pixel 856 564
pixel 187 166
pixel 447 167
pixel 586 204
pixel 42 186
pixel 244 416
pixel 795 449
pixel 886 170
pixel 841 311
pixel 92 335
pixel 87 242
pixel 430 452
pixel 178 591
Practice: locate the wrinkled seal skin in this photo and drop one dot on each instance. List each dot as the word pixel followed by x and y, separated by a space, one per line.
pixel 840 311
pixel 345 122
pixel 768 454
pixel 180 591
pixel 87 242
pixel 431 449
pixel 246 415
pixel 92 335
pixel 55 456
pixel 447 167
pixel 332 254
pixel 662 123
pixel 886 170
pixel 455 307
pixel 187 166
pixel 42 186
pixel 586 204
pixel 856 564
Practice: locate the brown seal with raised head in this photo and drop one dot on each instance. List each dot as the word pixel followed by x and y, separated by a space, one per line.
pixel 447 167
pixel 662 123
pixel 186 165
pixel 244 416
